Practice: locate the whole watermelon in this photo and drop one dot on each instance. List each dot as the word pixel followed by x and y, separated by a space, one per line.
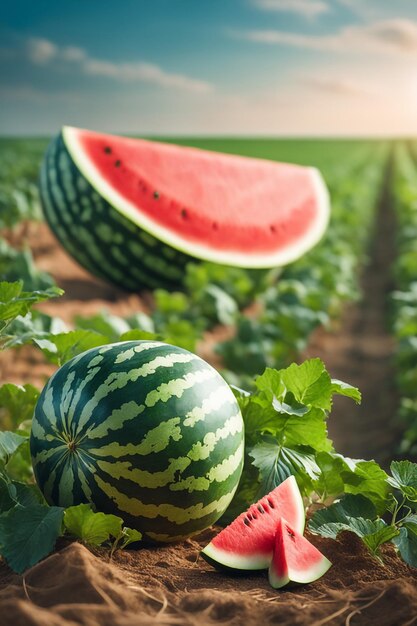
pixel 141 429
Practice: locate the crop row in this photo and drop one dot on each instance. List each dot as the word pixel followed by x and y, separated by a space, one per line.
pixel 405 297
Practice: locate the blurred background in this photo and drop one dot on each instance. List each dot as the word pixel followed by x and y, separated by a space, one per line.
pixel 187 67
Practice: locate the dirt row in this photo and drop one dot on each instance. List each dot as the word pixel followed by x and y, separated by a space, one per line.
pixel 360 350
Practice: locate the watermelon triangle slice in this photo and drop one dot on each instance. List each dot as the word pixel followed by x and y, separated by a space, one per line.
pixel 229 209
pixel 248 542
pixel 294 559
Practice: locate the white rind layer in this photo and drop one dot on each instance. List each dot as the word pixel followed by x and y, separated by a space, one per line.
pixel 275 581
pixel 311 574
pixel 297 497
pixel 237 561
pixel 238 259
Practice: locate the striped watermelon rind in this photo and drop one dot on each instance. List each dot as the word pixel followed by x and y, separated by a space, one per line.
pixel 143 430
pixel 124 230
pixel 102 240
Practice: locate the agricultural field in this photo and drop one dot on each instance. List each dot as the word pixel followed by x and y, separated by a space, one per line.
pixel 299 346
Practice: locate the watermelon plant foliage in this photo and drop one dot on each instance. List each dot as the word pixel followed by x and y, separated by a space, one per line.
pixel 286 413
pixel 286 433
pixel 404 298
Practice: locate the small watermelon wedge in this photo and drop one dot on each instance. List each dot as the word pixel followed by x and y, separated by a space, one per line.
pixel 135 212
pixel 248 542
pixel 295 559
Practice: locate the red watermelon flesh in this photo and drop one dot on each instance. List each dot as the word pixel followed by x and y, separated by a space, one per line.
pixel 248 542
pixel 228 209
pixel 294 559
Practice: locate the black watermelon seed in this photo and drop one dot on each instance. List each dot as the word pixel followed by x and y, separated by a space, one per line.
pixel 156 195
pixel 290 533
pixel 246 521
pixel 271 503
pixel 260 508
pixel 184 214
pixel 107 150
pixel 117 163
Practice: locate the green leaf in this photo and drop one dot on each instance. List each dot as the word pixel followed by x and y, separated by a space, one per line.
pixel 130 535
pixel 103 323
pixel 291 407
pixel 329 481
pixel 17 403
pixel 27 495
pixel 271 383
pixel 292 426
pixel 27 534
pixel 353 513
pixel 226 307
pixel 276 462
pixel 9 443
pixel 141 321
pixel 404 478
pixel 19 467
pixel 369 480
pixel 92 528
pixel 7 494
pixel 343 389
pixel 15 302
pixel 14 492
pixel 351 506
pixel 140 335
pixel 380 536
pixel 21 266
pixel 62 347
pixel 34 325
pixel 240 394
pixel 309 382
pixel 406 543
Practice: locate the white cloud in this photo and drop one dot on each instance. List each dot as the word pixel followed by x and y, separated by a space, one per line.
pixel 335 85
pixel 307 8
pixel 72 53
pixel 396 35
pixel 42 52
pixel 146 72
pixel 399 33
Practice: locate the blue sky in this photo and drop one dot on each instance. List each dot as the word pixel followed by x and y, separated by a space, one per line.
pixel 204 67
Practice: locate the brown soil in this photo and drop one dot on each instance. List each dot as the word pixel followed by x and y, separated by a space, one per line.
pixel 173 585
pixel 361 350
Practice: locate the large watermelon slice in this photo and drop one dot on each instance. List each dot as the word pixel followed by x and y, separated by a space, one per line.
pixel 134 211
pixel 295 558
pixel 248 542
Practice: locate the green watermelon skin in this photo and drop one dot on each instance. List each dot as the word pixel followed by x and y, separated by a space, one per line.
pixel 143 430
pixel 135 212
pixel 100 239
